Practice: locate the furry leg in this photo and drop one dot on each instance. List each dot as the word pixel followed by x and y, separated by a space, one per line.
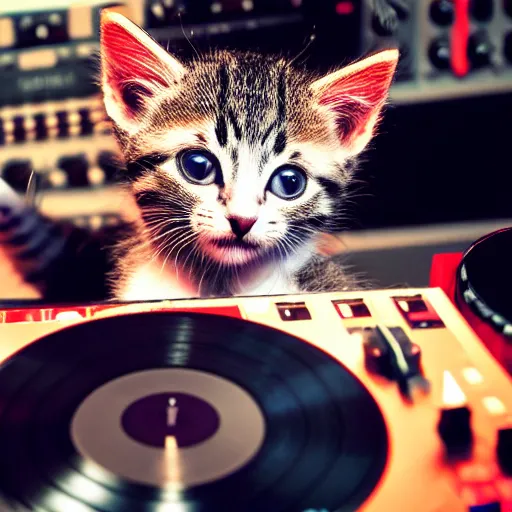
pixel 65 263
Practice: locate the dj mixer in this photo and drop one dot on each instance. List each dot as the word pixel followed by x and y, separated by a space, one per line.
pixel 375 401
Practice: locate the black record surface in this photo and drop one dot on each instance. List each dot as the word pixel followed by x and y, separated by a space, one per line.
pixel 325 443
pixel 489 271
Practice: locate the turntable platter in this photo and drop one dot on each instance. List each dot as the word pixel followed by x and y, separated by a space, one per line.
pixel 487 275
pixel 188 412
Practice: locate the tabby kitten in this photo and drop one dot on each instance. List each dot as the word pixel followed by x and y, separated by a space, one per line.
pixel 235 163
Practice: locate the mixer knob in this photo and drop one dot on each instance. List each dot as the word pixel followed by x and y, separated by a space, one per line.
pixel 41 29
pixel 439 53
pixel 504 450
pixel 480 50
pixel 380 357
pixel 442 12
pixel 482 10
pixel 454 425
pixel 455 430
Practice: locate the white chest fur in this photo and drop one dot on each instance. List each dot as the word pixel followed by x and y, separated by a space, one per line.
pixel 150 281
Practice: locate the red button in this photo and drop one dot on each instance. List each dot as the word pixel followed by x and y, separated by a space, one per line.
pixel 344 8
pixel 418 312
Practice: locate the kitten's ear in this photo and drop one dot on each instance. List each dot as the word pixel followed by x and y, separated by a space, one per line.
pixel 134 68
pixel 353 97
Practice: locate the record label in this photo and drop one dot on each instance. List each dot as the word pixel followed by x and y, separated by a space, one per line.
pixel 235 425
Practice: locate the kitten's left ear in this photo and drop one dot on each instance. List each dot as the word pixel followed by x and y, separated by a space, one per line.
pixel 134 68
pixel 353 97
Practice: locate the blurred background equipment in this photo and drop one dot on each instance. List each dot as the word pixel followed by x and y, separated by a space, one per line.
pixel 440 158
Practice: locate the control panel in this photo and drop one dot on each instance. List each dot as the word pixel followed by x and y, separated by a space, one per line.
pixel 450 48
pixel 445 401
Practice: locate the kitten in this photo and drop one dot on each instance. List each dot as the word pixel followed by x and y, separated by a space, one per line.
pixel 235 163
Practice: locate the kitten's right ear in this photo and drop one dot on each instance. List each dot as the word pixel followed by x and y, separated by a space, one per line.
pixel 354 96
pixel 134 69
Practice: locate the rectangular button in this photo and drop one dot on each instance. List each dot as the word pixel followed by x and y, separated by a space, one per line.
pixel 351 308
pixel 494 405
pixel 290 311
pixel 472 376
pixel 418 312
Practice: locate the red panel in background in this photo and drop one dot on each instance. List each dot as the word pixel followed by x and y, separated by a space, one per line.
pixel 443 272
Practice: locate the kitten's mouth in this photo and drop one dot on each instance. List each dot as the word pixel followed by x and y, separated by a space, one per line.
pixel 234 243
pixel 232 251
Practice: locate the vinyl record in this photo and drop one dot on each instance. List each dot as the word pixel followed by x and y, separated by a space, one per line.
pixel 184 412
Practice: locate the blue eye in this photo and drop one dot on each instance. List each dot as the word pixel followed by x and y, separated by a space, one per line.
pixel 199 167
pixel 288 183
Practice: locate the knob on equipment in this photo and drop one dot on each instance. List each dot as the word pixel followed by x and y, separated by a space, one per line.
pixel 454 425
pixel 455 429
pixel 504 449
pixel 390 353
pixel 480 50
pixel 482 10
pixel 439 53
pixel 441 12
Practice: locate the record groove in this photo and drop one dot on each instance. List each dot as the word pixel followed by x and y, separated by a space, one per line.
pixel 325 443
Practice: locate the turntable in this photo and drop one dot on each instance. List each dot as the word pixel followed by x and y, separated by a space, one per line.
pixel 379 401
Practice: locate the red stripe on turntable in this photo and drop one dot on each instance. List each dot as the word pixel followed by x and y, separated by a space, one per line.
pixel 51 314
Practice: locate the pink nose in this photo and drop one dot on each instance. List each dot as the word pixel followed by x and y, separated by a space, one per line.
pixel 241 225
